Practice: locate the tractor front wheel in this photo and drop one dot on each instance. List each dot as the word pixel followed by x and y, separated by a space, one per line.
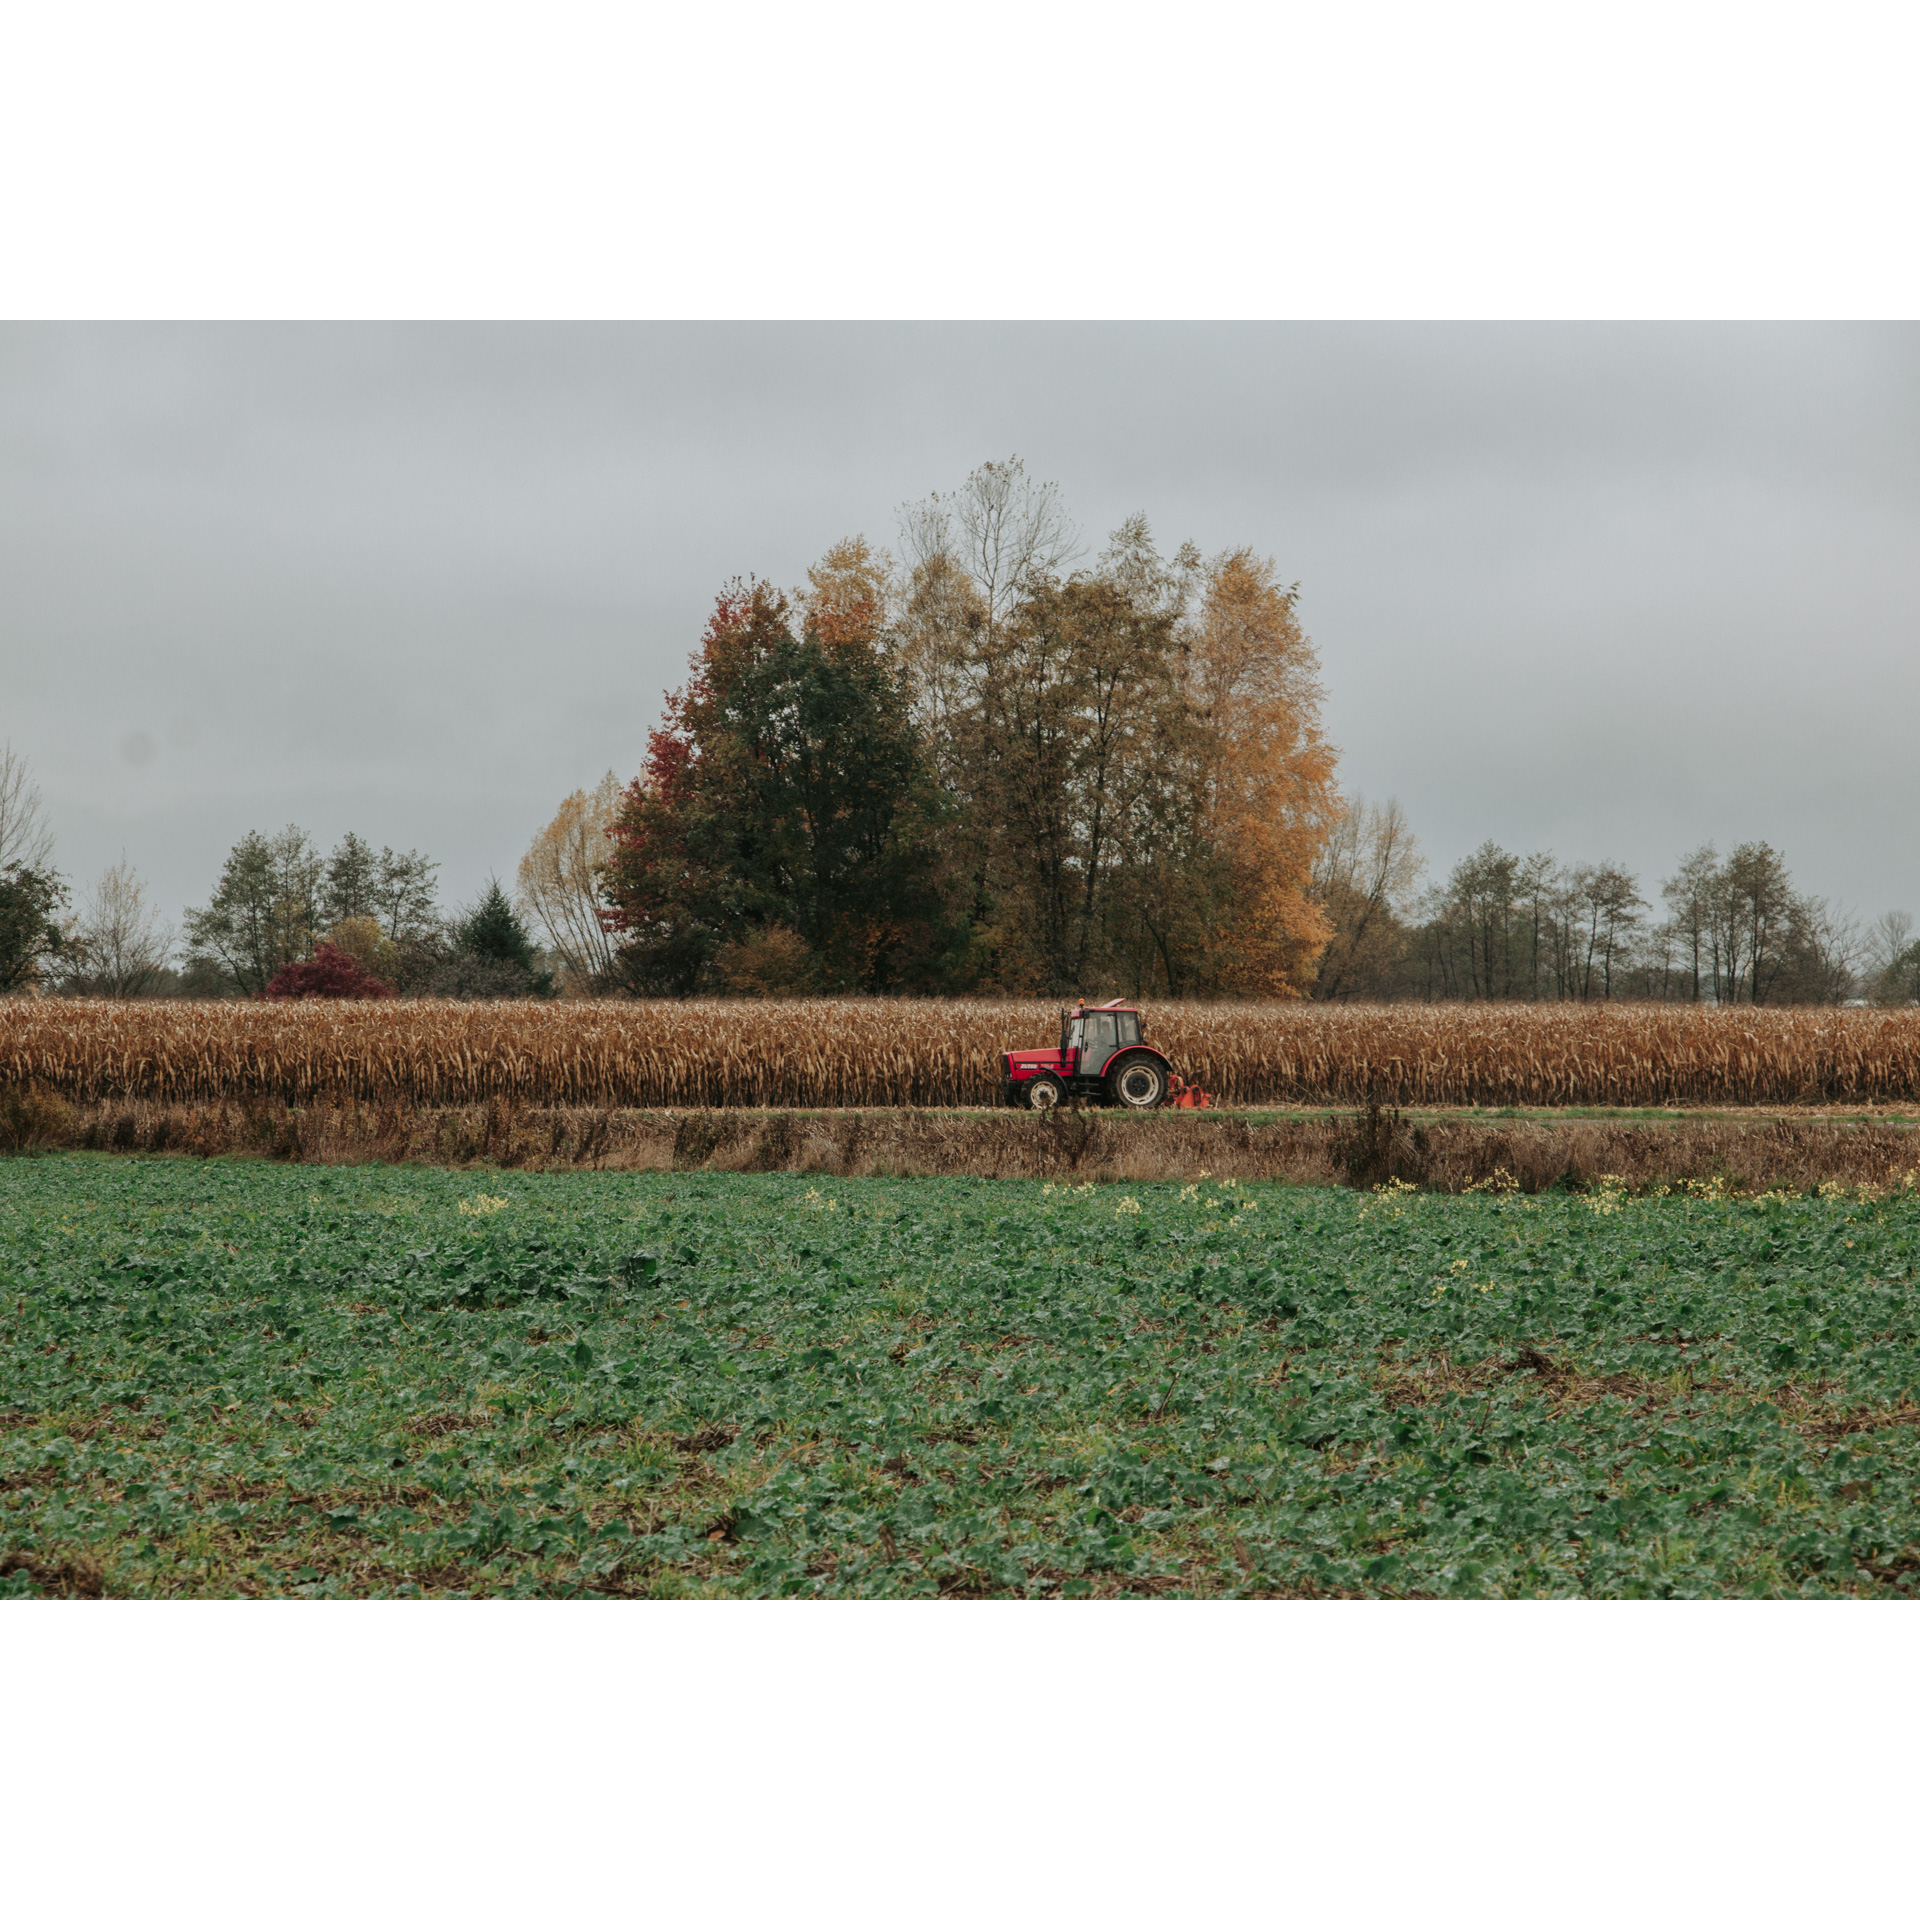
pixel 1045 1092
pixel 1139 1083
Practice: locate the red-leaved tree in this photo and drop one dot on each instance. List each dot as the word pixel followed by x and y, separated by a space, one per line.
pixel 329 975
pixel 784 825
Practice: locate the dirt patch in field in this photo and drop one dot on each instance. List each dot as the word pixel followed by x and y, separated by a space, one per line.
pixel 434 1425
pixel 1435 1378
pixel 78 1579
pixel 1840 1423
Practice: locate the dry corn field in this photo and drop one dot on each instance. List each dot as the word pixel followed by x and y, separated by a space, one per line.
pixel 941 1053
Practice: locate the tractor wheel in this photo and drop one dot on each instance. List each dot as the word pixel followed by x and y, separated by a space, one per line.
pixel 1139 1083
pixel 1044 1092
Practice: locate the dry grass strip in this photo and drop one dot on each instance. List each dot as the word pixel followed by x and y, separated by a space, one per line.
pixel 1528 1156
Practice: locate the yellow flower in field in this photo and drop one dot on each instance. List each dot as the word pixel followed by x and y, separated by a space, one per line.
pixel 484 1204
pixel 1501 1183
pixel 1608 1196
pixel 1128 1205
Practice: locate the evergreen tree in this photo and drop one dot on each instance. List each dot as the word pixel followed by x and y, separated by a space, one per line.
pixel 499 956
pixel 493 931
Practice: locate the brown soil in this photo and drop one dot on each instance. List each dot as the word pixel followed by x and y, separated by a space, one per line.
pixel 63 1579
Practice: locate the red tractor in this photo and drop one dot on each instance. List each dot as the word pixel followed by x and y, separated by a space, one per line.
pixel 1101 1056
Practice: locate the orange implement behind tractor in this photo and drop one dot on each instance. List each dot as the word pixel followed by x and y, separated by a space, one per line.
pixel 1103 1055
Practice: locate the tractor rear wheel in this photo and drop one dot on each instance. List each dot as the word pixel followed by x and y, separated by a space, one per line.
pixel 1140 1082
pixel 1045 1092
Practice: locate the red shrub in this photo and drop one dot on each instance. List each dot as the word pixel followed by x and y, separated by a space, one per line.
pixel 329 975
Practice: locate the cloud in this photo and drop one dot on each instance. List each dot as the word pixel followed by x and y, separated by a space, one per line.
pixel 1611 589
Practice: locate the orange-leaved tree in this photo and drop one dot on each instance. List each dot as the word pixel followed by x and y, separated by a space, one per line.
pixel 1254 683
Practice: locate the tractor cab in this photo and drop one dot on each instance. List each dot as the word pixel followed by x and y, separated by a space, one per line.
pixel 1103 1055
pixel 1095 1034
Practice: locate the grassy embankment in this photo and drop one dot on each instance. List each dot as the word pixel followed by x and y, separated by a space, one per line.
pixel 1445 1153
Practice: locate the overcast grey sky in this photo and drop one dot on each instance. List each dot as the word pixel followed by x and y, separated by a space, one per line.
pixel 1612 590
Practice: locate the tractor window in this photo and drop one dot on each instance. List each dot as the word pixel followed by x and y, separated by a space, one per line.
pixel 1075 1037
pixel 1100 1032
pixel 1129 1029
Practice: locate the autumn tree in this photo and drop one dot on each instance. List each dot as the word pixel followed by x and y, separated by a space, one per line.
pixel 1507 926
pixel 1133 753
pixel 1270 799
pixel 1826 954
pixel 1062 746
pixel 977 769
pixel 848 596
pixel 784 799
pixel 405 896
pixel 561 885
pixel 332 974
pixel 364 941
pixel 1731 919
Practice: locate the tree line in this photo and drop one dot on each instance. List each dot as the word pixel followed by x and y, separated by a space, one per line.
pixel 283 918
pixel 969 767
pixel 1728 929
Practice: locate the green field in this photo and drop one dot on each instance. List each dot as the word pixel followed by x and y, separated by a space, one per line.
pixel 240 1378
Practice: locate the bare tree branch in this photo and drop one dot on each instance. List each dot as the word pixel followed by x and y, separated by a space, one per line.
pixel 26 838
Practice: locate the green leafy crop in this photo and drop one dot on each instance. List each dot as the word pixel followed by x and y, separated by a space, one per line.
pixel 234 1377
